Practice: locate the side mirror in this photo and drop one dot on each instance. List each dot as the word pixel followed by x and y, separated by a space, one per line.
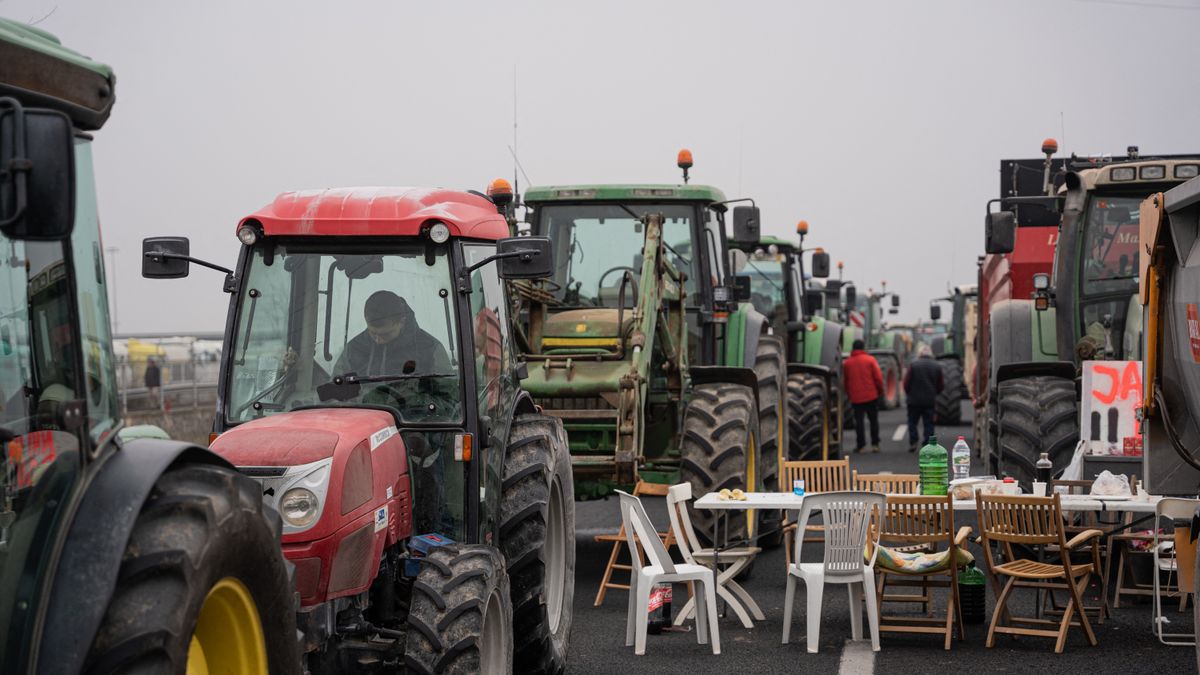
pixel 935 312
pixel 157 266
pixel 814 300
pixel 525 257
pixel 820 265
pixel 737 260
pixel 746 223
pixel 37 173
pixel 741 288
pixel 895 300
pixel 1000 232
pixel 851 296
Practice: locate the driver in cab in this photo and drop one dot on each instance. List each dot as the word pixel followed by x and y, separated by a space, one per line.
pixel 391 340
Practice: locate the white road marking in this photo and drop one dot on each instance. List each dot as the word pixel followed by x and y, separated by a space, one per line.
pixel 901 432
pixel 857 658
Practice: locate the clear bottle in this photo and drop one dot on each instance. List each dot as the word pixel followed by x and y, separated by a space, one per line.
pixel 933 464
pixel 961 459
pixel 1044 468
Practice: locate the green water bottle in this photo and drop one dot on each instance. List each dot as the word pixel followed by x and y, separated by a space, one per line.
pixel 934 464
pixel 972 594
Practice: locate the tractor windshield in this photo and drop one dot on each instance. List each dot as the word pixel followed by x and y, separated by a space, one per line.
pixel 768 285
pixel 343 326
pixel 1111 244
pixel 597 244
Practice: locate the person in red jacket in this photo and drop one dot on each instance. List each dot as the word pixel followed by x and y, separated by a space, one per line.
pixel 864 385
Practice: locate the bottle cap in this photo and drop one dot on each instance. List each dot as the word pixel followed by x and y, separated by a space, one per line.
pixel 962 438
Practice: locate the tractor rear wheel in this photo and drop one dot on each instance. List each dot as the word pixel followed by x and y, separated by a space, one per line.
pixel 1038 413
pixel 203 585
pixel 537 537
pixel 806 411
pixel 948 407
pixel 718 435
pixel 460 620
pixel 770 366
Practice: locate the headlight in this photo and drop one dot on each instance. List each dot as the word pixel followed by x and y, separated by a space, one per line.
pixel 1121 173
pixel 299 507
pixel 439 233
pixel 1154 172
pixel 1187 171
pixel 247 235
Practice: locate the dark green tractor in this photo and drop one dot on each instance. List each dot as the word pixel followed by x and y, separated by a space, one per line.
pixel 794 306
pixel 953 349
pixel 645 346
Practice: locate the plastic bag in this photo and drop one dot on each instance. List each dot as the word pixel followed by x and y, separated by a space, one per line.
pixel 1108 484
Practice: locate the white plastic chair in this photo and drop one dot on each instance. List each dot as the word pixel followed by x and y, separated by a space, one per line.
pixel 661 569
pixel 1171 558
pixel 847 520
pixel 694 554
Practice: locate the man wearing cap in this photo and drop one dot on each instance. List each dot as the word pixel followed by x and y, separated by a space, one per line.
pixel 392 339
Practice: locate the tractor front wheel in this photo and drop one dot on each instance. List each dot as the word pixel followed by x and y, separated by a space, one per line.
pixel 203 586
pixel 806 416
pixel 1038 414
pixel 537 536
pixel 718 439
pixel 460 621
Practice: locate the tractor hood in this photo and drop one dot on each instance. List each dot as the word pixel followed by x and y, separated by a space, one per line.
pixel 588 330
pixel 352 459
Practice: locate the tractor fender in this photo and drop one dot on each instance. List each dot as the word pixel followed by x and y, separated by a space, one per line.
pixel 1009 371
pixel 732 374
pixel 1020 334
pixel 823 372
pixel 87 569
pixel 831 345
pixel 752 325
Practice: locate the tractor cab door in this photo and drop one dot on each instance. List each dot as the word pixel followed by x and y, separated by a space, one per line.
pixel 491 375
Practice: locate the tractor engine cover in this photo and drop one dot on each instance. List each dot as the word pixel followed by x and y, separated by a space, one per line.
pixel 355 464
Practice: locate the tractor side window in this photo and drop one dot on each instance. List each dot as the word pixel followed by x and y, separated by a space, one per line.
pixel 489 316
pixel 91 287
pixel 1111 244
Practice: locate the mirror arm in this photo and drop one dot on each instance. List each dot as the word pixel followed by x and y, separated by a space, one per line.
pixel 464 277
pixel 158 256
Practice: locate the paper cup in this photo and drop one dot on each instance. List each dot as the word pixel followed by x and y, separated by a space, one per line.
pixel 1039 489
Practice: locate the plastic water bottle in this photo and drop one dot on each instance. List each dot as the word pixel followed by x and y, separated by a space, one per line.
pixel 934 465
pixel 961 459
pixel 972 594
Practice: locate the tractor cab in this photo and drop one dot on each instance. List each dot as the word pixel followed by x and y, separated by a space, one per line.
pixel 368 385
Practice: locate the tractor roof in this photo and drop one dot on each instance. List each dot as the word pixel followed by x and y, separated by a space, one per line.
pixel 769 240
pixel 624 192
pixel 379 212
pixel 1102 176
pixel 39 71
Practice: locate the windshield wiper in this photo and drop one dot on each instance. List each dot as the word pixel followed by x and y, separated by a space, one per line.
pixel 1117 278
pixel 352 378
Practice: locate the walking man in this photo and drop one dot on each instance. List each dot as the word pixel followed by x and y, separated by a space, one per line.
pixel 864 385
pixel 922 383
pixel 153 380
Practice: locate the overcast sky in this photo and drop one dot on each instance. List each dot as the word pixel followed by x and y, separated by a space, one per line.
pixel 881 123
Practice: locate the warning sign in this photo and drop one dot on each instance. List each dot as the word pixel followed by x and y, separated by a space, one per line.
pixel 1193 323
pixel 1112 394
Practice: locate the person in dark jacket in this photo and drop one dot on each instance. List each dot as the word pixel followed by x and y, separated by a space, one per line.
pixel 863 380
pixel 392 339
pixel 922 383
pixel 153 380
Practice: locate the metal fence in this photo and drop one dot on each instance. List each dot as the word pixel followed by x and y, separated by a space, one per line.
pixel 189 382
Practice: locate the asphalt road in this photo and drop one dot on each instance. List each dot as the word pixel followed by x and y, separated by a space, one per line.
pixel 1126 644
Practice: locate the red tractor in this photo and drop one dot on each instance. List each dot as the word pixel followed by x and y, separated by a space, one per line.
pixel 369 386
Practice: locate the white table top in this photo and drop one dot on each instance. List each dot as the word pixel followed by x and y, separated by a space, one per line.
pixel 792 502
pixel 754 500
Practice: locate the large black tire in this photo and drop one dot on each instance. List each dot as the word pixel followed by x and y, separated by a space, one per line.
pixel 718 430
pixel 948 408
pixel 537 536
pixel 200 526
pixel 770 365
pixel 806 406
pixel 461 589
pixel 1037 414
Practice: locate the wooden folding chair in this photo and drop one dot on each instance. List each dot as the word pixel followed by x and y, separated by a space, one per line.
pixel 1035 521
pixel 920 522
pixel 828 475
pixel 888 483
pixel 640 489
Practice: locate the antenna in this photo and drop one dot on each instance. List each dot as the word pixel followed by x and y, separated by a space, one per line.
pixel 1062 128
pixel 513 148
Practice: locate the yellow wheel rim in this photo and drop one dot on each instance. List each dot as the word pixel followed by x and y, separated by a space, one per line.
pixel 229 634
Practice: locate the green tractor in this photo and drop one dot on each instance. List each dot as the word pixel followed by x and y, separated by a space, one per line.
pixel 781 290
pixel 891 348
pixel 115 556
pixel 953 353
pixel 643 343
pixel 1088 311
